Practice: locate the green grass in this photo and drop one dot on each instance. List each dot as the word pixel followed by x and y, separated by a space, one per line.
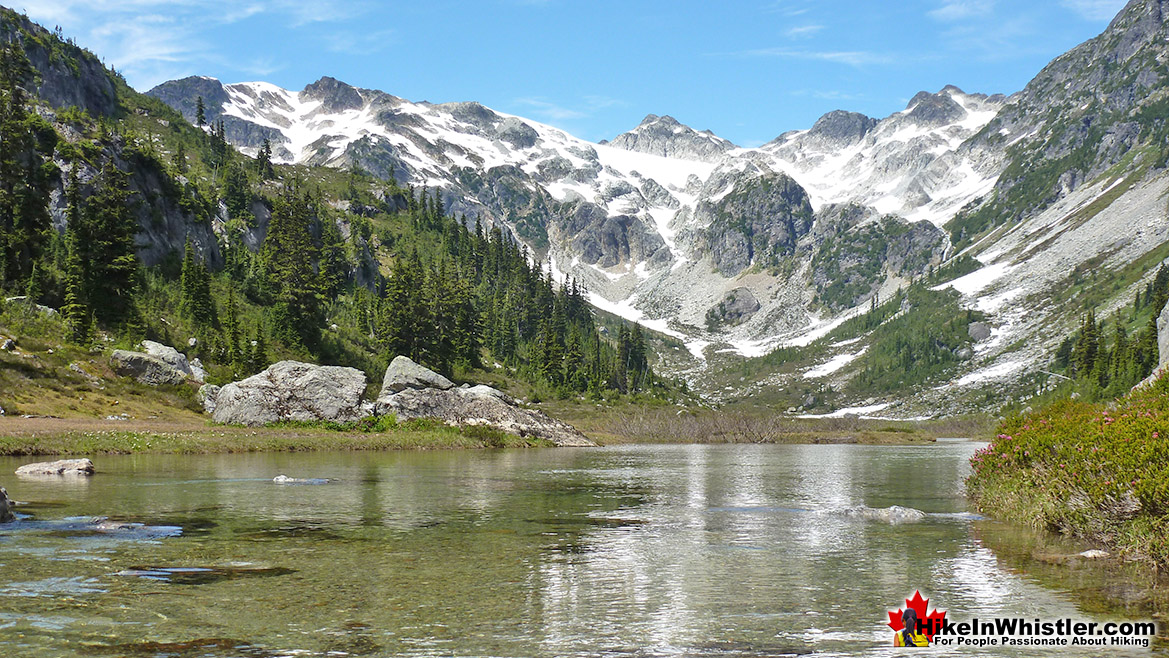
pixel 289 437
pixel 1098 472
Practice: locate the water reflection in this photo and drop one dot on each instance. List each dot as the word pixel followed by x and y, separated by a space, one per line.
pixel 645 551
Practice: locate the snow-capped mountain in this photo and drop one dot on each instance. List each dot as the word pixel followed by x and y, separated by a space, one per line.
pixel 633 218
pixel 739 250
pixel 666 137
pixel 910 163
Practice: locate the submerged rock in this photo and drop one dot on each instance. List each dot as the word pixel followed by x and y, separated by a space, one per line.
pixel 6 515
pixel 284 479
pixel 894 514
pixel 147 369
pixel 291 390
pixel 203 575
pixel 60 467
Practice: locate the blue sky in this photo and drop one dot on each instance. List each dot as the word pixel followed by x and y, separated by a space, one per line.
pixel 748 70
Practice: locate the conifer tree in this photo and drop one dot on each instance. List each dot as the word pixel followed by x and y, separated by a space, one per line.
pixel 200 112
pixel 24 182
pixel 110 228
pixel 289 258
pixel 333 267
pixel 76 310
pixel 180 158
pixel 264 160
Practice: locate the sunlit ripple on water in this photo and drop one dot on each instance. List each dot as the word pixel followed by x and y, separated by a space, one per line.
pixel 634 551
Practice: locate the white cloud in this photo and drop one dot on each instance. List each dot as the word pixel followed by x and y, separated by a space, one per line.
pixel 957 10
pixel 787 8
pixel 150 41
pixel 1095 10
pixel 849 57
pixel 802 31
pixel 1001 41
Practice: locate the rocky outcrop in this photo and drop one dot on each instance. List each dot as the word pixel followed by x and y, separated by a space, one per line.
pixel 480 405
pixel 403 373
pixel 733 309
pixel 291 390
pixel 66 75
pixel 1163 338
pixel 1162 349
pixel 6 515
pixel 207 396
pixel 666 137
pixel 843 127
pixel 147 369
pixel 411 391
pixel 174 358
pixel 60 467
pixel 758 222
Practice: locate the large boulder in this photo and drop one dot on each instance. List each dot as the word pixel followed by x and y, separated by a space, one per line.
pixel 1162 348
pixel 1163 337
pixel 291 390
pixel 207 395
pixel 173 357
pixel 479 405
pixel 6 515
pixel 404 373
pixel 147 369
pixel 59 467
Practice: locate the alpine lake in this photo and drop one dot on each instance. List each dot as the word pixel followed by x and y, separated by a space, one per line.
pixel 679 550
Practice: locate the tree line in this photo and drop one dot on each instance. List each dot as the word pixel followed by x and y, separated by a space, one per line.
pixel 1102 357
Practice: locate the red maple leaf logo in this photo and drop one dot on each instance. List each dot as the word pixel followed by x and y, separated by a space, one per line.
pixel 930 623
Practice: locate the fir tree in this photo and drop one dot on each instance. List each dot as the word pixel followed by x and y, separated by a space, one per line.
pixel 180 158
pixel 24 180
pixel 289 258
pixel 264 160
pixel 110 228
pixel 76 311
pixel 200 112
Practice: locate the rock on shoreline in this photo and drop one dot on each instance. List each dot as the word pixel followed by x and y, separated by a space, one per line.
pixel 291 390
pixel 295 391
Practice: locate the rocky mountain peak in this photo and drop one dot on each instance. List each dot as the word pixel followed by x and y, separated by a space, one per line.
pixel 334 95
pixel 936 109
pixel 668 137
pixel 183 95
pixel 842 126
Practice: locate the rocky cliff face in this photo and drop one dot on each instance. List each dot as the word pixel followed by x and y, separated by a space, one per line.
pixel 67 75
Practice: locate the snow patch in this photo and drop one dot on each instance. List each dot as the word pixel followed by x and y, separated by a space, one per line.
pixel 832 365
pixel 861 412
pixel 997 371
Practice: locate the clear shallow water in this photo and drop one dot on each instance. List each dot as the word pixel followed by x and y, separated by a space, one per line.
pixel 638 551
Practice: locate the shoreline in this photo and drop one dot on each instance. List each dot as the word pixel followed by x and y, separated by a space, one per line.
pixel 1092 471
pixel 56 437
